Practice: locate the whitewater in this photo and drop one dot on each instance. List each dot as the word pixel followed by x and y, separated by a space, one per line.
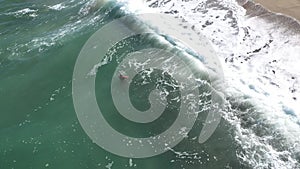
pixel 259 52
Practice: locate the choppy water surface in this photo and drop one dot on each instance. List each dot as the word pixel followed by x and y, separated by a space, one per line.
pixel 40 42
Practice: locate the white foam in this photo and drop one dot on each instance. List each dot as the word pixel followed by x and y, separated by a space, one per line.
pixel 25 11
pixel 137 6
pixel 57 7
pixel 44 41
pixel 251 75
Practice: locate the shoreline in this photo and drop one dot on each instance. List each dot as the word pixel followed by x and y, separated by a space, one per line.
pixel 281 19
pixel 287 7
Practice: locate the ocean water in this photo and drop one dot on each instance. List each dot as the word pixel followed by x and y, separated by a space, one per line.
pixel 41 40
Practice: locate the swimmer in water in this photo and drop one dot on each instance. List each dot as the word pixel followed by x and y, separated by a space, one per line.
pixel 123 77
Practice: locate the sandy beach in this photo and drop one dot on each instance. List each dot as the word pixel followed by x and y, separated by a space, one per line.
pixel 287 7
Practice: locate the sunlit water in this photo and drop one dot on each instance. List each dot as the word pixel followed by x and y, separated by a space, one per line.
pixel 40 42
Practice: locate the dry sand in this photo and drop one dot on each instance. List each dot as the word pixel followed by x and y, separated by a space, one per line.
pixel 287 7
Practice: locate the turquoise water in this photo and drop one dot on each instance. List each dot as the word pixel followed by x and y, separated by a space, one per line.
pixel 39 46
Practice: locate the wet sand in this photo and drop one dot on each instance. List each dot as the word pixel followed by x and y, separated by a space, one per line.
pixel 287 7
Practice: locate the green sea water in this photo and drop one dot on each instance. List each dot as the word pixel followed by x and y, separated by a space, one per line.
pixel 39 45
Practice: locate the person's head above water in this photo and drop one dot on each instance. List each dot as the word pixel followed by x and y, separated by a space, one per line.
pixel 123 77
